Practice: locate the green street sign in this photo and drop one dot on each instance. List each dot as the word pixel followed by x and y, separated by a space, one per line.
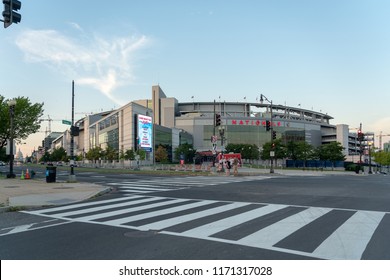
pixel 66 122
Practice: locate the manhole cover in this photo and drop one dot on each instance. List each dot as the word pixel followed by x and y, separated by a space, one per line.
pixel 141 233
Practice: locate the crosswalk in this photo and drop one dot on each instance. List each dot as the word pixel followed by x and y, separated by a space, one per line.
pixel 136 186
pixel 317 232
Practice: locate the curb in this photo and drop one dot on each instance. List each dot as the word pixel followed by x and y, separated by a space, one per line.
pixel 102 192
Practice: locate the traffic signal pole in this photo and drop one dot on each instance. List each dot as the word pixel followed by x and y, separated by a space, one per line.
pixel 271 128
pixel 72 176
pixel 10 15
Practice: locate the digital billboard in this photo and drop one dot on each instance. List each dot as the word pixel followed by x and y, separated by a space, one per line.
pixel 145 132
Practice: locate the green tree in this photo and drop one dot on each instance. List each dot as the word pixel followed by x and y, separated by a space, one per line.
pixel 161 154
pixel 110 153
pixel 247 151
pixel 278 148
pixel 300 151
pixel 142 154
pixel 94 153
pixel 26 119
pixel 382 157
pixel 332 152
pixel 58 154
pixel 187 150
pixel 46 157
pixel 129 154
pixel 234 148
pixel 3 156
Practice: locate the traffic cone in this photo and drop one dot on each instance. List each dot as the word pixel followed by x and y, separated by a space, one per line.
pixel 22 176
pixel 27 175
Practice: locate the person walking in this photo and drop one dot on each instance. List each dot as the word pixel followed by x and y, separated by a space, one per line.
pixel 235 166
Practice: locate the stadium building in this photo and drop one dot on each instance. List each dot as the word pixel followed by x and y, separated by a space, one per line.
pixel 167 122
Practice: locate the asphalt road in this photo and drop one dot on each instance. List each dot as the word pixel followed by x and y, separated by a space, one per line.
pixel 257 217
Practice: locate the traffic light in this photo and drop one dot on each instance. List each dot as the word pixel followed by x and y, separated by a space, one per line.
pixel 10 15
pixel 74 131
pixel 360 135
pixel 217 119
pixel 268 125
pixel 273 135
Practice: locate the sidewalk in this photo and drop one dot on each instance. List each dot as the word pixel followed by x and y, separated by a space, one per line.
pixel 36 192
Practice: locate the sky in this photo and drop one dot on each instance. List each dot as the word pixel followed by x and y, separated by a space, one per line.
pixel 331 56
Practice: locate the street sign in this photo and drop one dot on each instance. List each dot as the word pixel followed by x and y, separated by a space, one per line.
pixel 66 122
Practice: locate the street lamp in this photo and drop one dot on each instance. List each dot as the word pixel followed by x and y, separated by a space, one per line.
pixel 11 105
pixel 272 152
pixel 369 157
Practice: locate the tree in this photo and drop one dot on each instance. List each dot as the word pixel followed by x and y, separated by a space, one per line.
pixel 129 155
pixel 94 153
pixel 161 154
pixel 58 154
pixel 3 156
pixel 382 157
pixel 279 149
pixel 300 151
pixel 187 150
pixel 26 119
pixel 332 152
pixel 110 153
pixel 46 157
pixel 142 154
pixel 247 151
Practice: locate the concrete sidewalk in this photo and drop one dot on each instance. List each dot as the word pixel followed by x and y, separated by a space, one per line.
pixel 36 192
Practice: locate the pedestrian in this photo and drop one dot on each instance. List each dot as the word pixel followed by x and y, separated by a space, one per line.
pixel 228 167
pixel 235 166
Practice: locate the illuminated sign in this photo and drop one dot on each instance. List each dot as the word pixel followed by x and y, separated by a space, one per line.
pixel 145 132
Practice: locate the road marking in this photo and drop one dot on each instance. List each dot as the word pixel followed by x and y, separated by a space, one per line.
pixel 181 219
pixel 155 213
pixel 33 226
pixel 274 233
pixel 351 238
pixel 212 228
pixel 348 240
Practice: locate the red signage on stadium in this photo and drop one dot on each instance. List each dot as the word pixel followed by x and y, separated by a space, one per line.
pixel 253 122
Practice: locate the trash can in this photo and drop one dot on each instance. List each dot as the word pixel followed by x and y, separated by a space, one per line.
pixel 51 173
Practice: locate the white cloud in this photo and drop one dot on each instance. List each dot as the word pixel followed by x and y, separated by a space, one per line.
pixel 104 64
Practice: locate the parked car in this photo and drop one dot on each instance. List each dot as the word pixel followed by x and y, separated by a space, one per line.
pixel 2 163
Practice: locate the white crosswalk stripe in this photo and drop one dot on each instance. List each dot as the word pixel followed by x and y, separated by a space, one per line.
pixel 144 186
pixel 266 226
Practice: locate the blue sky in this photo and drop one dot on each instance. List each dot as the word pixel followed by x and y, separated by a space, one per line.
pixel 329 56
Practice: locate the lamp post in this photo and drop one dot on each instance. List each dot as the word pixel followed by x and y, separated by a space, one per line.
pixel 369 157
pixel 272 152
pixel 11 104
